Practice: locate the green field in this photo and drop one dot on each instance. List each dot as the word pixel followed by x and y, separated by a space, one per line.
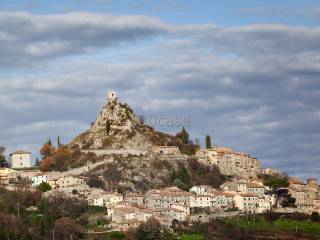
pixel 281 224
pixel 191 237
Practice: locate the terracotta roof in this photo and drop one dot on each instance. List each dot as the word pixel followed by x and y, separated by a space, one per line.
pixel 248 195
pixel 203 195
pixel 221 193
pixel 133 195
pixel 20 152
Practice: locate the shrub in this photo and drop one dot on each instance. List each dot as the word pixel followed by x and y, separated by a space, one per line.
pixel 44 187
pixel 315 217
pixel 117 235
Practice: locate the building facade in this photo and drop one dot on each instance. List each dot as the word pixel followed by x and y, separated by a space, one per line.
pixel 229 162
pixel 20 159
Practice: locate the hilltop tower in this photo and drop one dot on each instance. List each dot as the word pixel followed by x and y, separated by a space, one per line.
pixel 112 95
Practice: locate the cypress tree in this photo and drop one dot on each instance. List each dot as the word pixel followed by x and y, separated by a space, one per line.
pixel 208 141
pixel 58 142
pixel 107 127
pixel 183 135
pixel 49 142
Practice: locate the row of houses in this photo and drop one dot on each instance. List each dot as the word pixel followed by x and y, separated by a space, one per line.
pixel 229 162
pixel 171 203
pixel 307 195
pixel 167 204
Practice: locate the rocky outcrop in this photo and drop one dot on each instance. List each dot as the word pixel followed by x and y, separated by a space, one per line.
pixel 117 128
pixel 139 173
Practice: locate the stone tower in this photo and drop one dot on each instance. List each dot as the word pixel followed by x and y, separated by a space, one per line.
pixel 112 96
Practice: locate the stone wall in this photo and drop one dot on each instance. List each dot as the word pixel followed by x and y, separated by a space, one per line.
pixel 123 152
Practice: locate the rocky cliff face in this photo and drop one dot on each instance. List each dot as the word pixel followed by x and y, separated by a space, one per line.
pixel 118 128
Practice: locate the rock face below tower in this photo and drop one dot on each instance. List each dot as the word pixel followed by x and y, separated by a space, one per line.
pixel 117 128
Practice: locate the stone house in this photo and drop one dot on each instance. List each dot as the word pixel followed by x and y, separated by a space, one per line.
pixel 69 180
pixel 143 215
pixel 104 199
pixel 125 225
pixel 201 201
pixel 79 189
pixel 229 162
pixel 4 175
pixel 20 159
pixel 175 214
pixel 255 189
pixel 222 199
pixel 244 187
pixel 169 150
pixel 24 174
pixel 122 213
pixel 164 198
pixel 134 199
pixel 51 178
pixel 246 202
pixel 316 202
pixel 299 195
pixel 296 184
pixel 307 207
pixel 237 186
pixel 264 204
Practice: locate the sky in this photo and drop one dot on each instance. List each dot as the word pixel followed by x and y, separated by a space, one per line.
pixel 246 72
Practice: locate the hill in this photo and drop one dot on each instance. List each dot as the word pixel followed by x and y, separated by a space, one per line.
pixel 125 146
pixel 118 128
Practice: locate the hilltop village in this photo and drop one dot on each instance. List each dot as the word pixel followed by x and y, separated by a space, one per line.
pixel 134 174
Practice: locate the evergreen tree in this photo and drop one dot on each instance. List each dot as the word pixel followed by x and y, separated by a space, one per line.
pixel 37 162
pixel 49 142
pixel 3 162
pixel 58 142
pixel 44 187
pixel 107 127
pixel 315 217
pixel 183 135
pixel 208 141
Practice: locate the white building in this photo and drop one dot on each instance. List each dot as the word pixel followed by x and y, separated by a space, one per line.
pixel 202 189
pixel 244 187
pixel 201 201
pixel 104 199
pixel 264 204
pixel 51 178
pixel 246 202
pixel 20 159
pixel 222 199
